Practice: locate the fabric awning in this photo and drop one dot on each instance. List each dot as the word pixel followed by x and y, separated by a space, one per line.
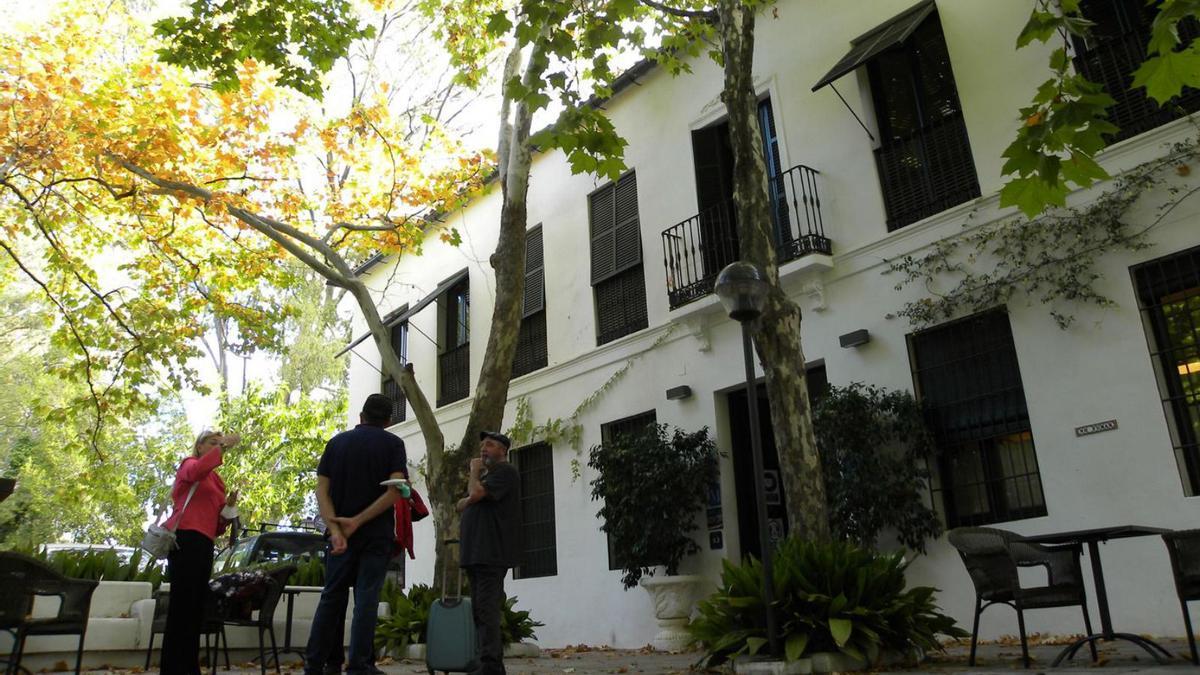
pixel 405 315
pixel 870 44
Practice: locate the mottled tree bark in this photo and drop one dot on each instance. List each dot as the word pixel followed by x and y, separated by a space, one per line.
pixel 777 332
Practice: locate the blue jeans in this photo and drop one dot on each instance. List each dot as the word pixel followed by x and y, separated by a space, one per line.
pixel 362 566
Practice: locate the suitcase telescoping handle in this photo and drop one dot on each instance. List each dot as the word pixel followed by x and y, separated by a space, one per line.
pixel 446 574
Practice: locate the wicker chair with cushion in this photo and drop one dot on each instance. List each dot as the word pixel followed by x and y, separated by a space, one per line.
pixel 992 557
pixel 1184 548
pixel 35 577
pixel 258 611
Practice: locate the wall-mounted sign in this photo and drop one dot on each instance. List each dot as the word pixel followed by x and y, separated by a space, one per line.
pixel 716 540
pixel 1098 427
pixel 771 487
pixel 714 511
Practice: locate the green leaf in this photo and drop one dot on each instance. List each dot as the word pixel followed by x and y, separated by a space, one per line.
pixel 1032 195
pixel 755 644
pixel 840 630
pixel 794 647
pixel 1164 76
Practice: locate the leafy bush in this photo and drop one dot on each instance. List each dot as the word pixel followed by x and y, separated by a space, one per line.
pixel 106 565
pixel 833 597
pixel 310 571
pixel 652 485
pixel 874 445
pixel 410 616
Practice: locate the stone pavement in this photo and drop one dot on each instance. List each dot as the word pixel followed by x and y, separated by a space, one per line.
pixel 996 657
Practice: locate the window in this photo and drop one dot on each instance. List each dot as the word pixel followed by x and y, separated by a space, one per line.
pixel 454 342
pixel 1168 292
pixel 967 377
pixel 1115 47
pixel 641 423
pixel 531 340
pixel 539 553
pixel 617 278
pixel 924 158
pixel 389 387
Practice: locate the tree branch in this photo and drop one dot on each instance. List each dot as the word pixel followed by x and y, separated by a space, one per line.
pixel 709 15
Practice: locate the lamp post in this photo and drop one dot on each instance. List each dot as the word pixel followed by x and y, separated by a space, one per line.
pixel 743 290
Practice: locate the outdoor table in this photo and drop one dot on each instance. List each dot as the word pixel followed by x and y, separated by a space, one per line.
pixel 1092 538
pixel 291 592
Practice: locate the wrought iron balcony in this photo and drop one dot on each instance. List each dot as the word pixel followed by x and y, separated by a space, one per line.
pixel 697 249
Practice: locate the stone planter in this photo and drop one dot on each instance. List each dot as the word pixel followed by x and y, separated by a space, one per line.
pixel 673 597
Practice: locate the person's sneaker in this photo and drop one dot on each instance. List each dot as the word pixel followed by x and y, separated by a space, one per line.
pixel 375 670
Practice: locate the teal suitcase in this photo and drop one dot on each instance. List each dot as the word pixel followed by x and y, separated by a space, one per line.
pixel 451 643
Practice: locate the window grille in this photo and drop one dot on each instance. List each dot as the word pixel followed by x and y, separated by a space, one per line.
pixel 620 305
pixel 1168 292
pixel 924 159
pixel 1114 49
pixel 539 552
pixel 966 375
pixel 641 423
pixel 389 387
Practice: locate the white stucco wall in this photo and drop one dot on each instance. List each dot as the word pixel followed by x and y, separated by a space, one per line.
pixel 1096 370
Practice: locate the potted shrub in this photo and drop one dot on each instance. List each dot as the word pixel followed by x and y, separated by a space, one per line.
pixel 841 606
pixel 652 486
pixel 402 633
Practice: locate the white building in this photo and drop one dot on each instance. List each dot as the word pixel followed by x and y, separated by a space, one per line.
pixel 938 85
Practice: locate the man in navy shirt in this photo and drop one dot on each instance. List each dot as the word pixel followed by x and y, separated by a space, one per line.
pixel 357 511
pixel 490 532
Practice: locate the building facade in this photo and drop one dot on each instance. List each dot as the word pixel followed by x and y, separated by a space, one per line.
pixel 620 274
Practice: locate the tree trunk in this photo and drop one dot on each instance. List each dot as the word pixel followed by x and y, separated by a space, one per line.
pixel 777 332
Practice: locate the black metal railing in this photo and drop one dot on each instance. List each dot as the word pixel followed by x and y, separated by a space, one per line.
pixel 697 249
pixel 392 390
pixel 927 173
pixel 454 374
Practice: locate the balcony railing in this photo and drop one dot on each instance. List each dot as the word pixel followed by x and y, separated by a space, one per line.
pixel 697 249
pixel 392 390
pixel 454 374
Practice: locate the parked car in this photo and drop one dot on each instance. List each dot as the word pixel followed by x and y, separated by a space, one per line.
pixel 270 547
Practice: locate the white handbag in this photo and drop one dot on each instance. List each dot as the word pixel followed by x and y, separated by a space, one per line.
pixel 160 541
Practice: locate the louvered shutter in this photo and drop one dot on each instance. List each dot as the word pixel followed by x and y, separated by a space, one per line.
pixel 535 276
pixel 603 221
pixel 628 238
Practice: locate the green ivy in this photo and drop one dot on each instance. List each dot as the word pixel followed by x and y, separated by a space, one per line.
pixel 1050 260
pixel 652 487
pixel 829 597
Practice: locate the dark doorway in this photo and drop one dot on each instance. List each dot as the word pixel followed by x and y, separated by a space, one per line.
pixel 743 463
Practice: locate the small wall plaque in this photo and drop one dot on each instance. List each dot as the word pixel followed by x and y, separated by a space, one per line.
pixel 1098 427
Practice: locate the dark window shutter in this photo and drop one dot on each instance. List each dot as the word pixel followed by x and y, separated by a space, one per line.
pixel 603 223
pixel 615 227
pixel 539 546
pixel 535 277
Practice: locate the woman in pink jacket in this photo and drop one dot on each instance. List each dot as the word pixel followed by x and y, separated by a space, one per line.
pixel 190 565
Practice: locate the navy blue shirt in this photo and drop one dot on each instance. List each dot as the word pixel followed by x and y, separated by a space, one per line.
pixel 355 462
pixel 490 529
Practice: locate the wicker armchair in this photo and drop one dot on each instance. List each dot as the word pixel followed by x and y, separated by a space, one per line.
pixel 261 615
pixel 1184 548
pixel 15 604
pixel 992 557
pixel 35 577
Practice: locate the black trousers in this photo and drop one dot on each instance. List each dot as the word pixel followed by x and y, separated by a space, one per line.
pixel 487 596
pixel 188 570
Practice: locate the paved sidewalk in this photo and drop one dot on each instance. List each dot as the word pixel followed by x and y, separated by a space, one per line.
pixel 996 658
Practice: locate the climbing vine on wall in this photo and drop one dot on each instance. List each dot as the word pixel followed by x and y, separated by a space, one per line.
pixel 1050 260
pixel 525 431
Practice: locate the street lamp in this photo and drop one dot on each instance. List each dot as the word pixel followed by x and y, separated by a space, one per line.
pixel 743 290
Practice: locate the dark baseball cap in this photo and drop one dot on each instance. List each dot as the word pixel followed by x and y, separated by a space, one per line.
pixel 496 436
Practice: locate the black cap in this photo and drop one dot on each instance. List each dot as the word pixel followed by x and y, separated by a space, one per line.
pixel 496 436
pixel 378 407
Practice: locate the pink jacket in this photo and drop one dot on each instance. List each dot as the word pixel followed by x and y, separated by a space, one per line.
pixel 203 513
